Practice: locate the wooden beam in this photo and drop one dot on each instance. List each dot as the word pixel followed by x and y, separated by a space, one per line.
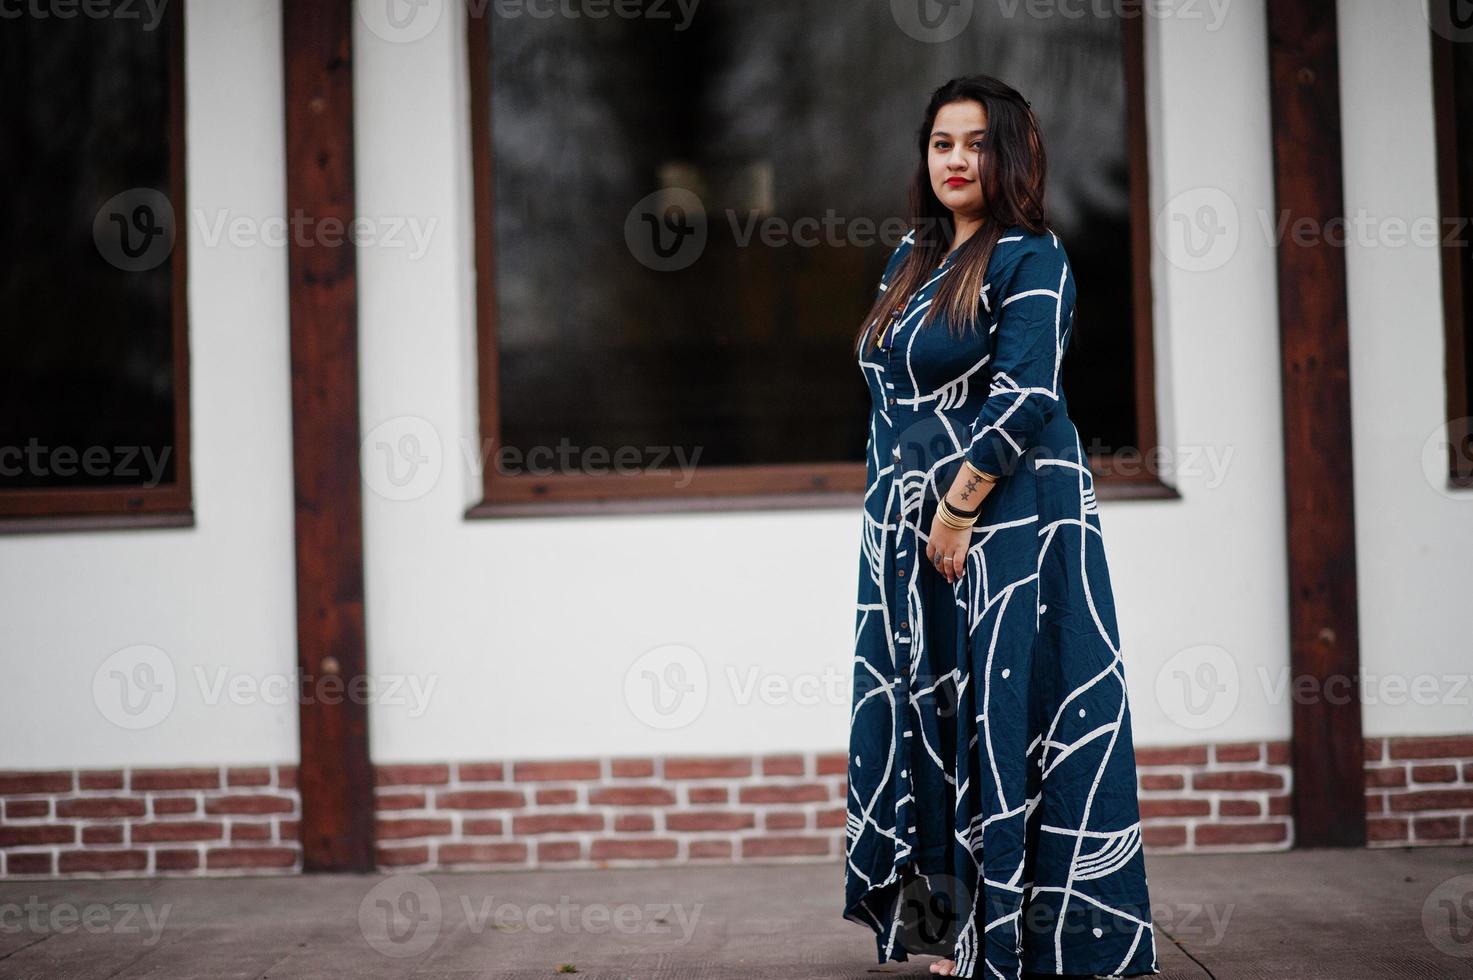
pixel 335 775
pixel 1314 342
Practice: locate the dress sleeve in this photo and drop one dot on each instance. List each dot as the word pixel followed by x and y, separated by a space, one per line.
pixel 1028 346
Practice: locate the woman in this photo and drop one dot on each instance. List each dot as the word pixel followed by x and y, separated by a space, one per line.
pixel 993 816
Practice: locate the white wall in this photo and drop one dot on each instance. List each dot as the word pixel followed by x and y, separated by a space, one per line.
pixel 218 596
pixel 515 637
pixel 523 630
pixel 1414 536
pixel 1200 581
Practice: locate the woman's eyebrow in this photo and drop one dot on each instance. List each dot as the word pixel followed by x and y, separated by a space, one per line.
pixel 970 132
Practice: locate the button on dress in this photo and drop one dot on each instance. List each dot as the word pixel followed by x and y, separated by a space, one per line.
pixel 992 811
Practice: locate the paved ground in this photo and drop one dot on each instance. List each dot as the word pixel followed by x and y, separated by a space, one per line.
pixel 1301 915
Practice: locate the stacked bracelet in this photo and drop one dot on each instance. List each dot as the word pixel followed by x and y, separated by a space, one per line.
pixel 954 520
pixel 986 476
pixel 958 512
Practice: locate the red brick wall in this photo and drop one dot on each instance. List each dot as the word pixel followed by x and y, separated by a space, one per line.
pixel 612 811
pixel 93 822
pixel 596 812
pixel 1419 790
pixel 1229 796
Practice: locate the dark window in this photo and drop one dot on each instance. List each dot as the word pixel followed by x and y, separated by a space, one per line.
pixel 629 302
pixel 93 406
pixel 1452 68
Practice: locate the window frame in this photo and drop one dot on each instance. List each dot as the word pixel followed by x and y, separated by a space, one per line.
pixel 1454 298
pixel 785 486
pixel 167 505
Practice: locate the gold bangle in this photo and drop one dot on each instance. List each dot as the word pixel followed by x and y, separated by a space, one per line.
pixel 951 519
pixel 952 524
pixel 958 522
pixel 984 475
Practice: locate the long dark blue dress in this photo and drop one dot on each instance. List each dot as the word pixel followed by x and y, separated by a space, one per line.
pixel 993 816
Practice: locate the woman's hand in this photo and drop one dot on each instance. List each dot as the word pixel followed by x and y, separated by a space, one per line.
pixel 947 549
pixel 947 546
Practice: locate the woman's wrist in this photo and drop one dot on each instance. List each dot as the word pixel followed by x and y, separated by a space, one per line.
pixel 957 520
pixel 970 467
pixel 968 489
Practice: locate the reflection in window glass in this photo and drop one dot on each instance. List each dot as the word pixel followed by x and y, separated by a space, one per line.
pixel 1462 124
pixel 765 109
pixel 87 376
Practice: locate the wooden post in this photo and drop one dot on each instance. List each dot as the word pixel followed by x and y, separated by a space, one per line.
pixel 335 776
pixel 1328 753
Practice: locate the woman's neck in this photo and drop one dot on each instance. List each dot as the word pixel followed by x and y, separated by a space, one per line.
pixel 966 227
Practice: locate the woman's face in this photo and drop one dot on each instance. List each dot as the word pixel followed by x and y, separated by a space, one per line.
pixel 955 157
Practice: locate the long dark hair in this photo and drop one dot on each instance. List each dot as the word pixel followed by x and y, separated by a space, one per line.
pixel 1011 174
